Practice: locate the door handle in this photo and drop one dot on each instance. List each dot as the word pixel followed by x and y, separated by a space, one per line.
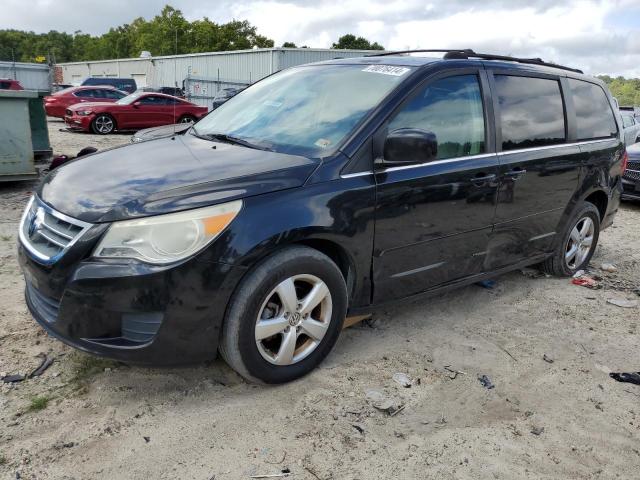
pixel 515 174
pixel 482 180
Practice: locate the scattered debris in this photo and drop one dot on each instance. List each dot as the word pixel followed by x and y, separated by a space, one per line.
pixel 578 274
pixel 585 281
pixel 147 439
pixel 358 428
pixel 44 364
pixel 533 273
pixel 608 267
pixel 402 379
pixel 488 284
pixel 537 430
pixel 454 373
pixel 285 472
pixel 13 378
pixel 621 302
pixel 486 382
pixel 547 358
pixel 633 377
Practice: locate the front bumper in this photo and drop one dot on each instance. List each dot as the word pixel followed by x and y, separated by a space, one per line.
pixel 78 122
pixel 132 312
pixel 631 189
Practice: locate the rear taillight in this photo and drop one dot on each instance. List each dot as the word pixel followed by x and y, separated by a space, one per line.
pixel 625 160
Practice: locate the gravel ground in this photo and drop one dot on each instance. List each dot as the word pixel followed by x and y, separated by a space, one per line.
pixel 562 417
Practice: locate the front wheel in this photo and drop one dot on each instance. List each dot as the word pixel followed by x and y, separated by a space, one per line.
pixel 285 316
pixel 577 244
pixel 187 119
pixel 103 124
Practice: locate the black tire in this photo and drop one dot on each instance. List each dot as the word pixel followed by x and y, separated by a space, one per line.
pixel 556 264
pixel 238 343
pixel 187 119
pixel 97 124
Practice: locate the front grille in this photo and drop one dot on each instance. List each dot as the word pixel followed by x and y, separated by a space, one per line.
pixel 48 234
pixel 633 171
pixel 45 307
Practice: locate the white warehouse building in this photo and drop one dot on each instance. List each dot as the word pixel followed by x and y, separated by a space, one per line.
pixel 200 74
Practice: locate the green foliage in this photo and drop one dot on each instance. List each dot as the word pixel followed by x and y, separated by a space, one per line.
pixel 288 45
pixel 350 41
pixel 3 460
pixel 626 90
pixel 38 403
pixel 165 34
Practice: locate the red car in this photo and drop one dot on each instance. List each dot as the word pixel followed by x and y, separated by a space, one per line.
pixel 10 84
pixel 56 105
pixel 135 111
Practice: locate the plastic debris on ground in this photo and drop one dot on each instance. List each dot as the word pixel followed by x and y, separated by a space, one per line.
pixel 44 364
pixel 608 267
pixel 402 379
pixel 547 358
pixel 486 382
pixel 383 403
pixel 488 284
pixel 633 377
pixel 621 302
pixel 13 378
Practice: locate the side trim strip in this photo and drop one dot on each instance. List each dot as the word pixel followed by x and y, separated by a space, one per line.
pixel 417 270
pixel 540 237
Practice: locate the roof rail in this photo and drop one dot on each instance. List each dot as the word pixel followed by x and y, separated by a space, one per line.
pixel 464 53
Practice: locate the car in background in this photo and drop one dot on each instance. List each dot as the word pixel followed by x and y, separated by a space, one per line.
pixel 125 84
pixel 56 105
pixel 173 91
pixel 634 110
pixel 135 111
pixel 631 176
pixel 160 132
pixel 10 84
pixel 224 95
pixel 630 126
pixel 56 87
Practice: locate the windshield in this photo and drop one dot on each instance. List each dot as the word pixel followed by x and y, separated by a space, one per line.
pixel 305 110
pixel 129 99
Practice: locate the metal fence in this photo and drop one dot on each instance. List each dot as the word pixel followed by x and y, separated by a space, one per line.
pixel 32 76
pixel 202 91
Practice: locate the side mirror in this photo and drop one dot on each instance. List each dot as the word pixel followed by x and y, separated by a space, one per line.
pixel 136 104
pixel 406 146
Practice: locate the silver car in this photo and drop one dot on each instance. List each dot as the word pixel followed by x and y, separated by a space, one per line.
pixel 631 126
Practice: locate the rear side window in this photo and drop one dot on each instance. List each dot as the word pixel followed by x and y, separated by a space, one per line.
pixel 451 108
pixel 594 116
pixel 88 93
pixel 531 111
pixel 112 94
pixel 627 121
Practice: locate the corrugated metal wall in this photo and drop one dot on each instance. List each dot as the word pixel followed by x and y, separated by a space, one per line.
pixel 32 76
pixel 244 66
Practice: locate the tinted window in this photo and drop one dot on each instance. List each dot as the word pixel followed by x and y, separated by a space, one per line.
pixel 627 121
pixel 112 94
pixel 90 93
pixel 594 116
pixel 451 108
pixel 152 100
pixel 5 85
pixel 531 112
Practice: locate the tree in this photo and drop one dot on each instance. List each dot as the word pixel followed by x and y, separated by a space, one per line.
pixel 289 45
pixel 350 41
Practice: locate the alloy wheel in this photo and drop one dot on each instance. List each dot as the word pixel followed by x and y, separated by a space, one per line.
pixel 293 319
pixel 579 243
pixel 186 120
pixel 104 124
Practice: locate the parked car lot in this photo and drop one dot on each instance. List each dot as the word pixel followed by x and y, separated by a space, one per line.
pixel 104 410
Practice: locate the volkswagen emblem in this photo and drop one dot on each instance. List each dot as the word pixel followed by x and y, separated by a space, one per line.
pixel 36 221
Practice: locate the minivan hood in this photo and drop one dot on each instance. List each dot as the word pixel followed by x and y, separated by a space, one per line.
pixel 167 175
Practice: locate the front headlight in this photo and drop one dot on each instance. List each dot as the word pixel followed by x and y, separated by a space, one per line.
pixel 167 238
pixel 84 113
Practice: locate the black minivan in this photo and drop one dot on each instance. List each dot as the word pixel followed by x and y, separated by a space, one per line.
pixel 322 191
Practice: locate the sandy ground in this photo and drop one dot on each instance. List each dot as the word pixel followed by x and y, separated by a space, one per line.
pixel 92 419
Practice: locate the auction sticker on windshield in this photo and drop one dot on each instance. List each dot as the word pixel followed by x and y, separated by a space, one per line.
pixel 386 70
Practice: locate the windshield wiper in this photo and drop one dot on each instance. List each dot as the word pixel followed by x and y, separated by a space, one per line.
pixel 230 139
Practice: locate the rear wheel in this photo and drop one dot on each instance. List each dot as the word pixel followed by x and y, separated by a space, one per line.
pixel 285 316
pixel 577 244
pixel 187 119
pixel 103 124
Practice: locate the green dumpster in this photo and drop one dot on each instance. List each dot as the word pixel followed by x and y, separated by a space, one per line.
pixel 16 145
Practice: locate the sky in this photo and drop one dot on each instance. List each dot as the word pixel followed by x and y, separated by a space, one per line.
pixel 599 37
